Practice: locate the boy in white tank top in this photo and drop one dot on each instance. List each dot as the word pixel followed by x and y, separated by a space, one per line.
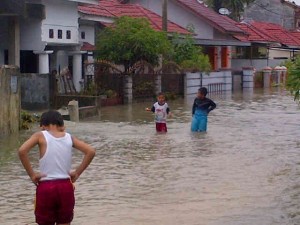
pixel 55 192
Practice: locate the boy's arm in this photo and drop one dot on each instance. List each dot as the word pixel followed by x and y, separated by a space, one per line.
pixel 212 105
pixel 194 107
pixel 89 153
pixel 23 155
pixel 152 109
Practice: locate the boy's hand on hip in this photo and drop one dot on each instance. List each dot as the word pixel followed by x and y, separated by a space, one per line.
pixel 36 177
pixel 74 176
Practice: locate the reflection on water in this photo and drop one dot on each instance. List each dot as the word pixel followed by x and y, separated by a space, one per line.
pixel 243 171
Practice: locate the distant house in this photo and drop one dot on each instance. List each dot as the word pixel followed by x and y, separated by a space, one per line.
pixel 95 17
pixel 281 12
pixel 214 33
pixel 41 36
pixel 271 44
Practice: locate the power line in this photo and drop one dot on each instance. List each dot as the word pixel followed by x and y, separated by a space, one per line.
pixel 265 8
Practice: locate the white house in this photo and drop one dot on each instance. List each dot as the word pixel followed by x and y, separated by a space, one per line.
pixel 215 33
pixel 41 36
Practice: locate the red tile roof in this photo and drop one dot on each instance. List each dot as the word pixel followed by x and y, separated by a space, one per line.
pixel 112 9
pixel 268 32
pixel 88 47
pixel 276 31
pixel 254 35
pixel 214 19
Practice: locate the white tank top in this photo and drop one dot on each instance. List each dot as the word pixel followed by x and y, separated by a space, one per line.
pixel 56 163
pixel 161 112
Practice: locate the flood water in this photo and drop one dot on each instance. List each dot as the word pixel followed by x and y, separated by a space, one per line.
pixel 244 171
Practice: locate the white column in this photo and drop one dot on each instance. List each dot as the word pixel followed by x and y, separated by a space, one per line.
pixel 248 74
pixel 43 61
pixel 267 71
pixel 158 83
pixel 77 69
pixel 227 80
pixel 278 71
pixel 128 95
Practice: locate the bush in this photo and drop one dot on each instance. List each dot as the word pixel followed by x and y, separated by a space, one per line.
pixel 28 119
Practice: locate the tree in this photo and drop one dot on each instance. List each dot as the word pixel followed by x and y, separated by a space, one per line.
pixel 131 40
pixel 293 79
pixel 188 55
pixel 236 7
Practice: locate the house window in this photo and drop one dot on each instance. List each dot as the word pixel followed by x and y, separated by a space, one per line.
pixel 51 33
pixel 68 34
pixel 59 34
pixel 82 35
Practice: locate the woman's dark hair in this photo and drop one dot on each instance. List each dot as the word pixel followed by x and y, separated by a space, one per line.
pixel 52 117
pixel 203 90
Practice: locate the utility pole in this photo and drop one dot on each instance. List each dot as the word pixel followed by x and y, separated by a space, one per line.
pixel 165 15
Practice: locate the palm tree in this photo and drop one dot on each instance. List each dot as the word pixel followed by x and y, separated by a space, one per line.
pixel 236 7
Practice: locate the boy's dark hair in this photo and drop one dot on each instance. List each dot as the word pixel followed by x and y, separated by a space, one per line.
pixel 203 90
pixel 52 117
pixel 160 93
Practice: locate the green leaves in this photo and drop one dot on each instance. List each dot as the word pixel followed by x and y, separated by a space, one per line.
pixel 188 55
pixel 293 79
pixel 131 40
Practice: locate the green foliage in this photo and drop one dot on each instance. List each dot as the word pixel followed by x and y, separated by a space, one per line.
pixel 170 96
pixel 27 120
pixel 131 40
pixel 91 90
pixel 188 55
pixel 110 93
pixel 144 88
pixel 293 79
pixel 236 7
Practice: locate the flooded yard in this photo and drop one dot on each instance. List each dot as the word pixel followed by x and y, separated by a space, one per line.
pixel 243 171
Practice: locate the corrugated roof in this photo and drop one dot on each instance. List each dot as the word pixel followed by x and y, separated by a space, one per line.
pixel 112 9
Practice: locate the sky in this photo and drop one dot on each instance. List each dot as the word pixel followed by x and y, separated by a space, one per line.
pixel 296 1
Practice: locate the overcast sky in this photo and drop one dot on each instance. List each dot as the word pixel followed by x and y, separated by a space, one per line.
pixel 296 1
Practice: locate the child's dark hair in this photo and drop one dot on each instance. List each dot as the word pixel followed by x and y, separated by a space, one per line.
pixel 161 93
pixel 203 90
pixel 52 117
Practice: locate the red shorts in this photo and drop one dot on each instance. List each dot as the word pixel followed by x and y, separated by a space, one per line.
pixel 161 127
pixel 54 202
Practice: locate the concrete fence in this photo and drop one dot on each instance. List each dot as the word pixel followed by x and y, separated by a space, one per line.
pixel 10 100
pixel 215 82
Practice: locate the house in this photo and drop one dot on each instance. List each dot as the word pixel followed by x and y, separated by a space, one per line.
pixel 95 17
pixel 214 33
pixel 41 36
pixel 281 12
pixel 271 44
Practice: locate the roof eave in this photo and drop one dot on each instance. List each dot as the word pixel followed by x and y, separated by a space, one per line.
pixel 222 42
pixel 95 18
